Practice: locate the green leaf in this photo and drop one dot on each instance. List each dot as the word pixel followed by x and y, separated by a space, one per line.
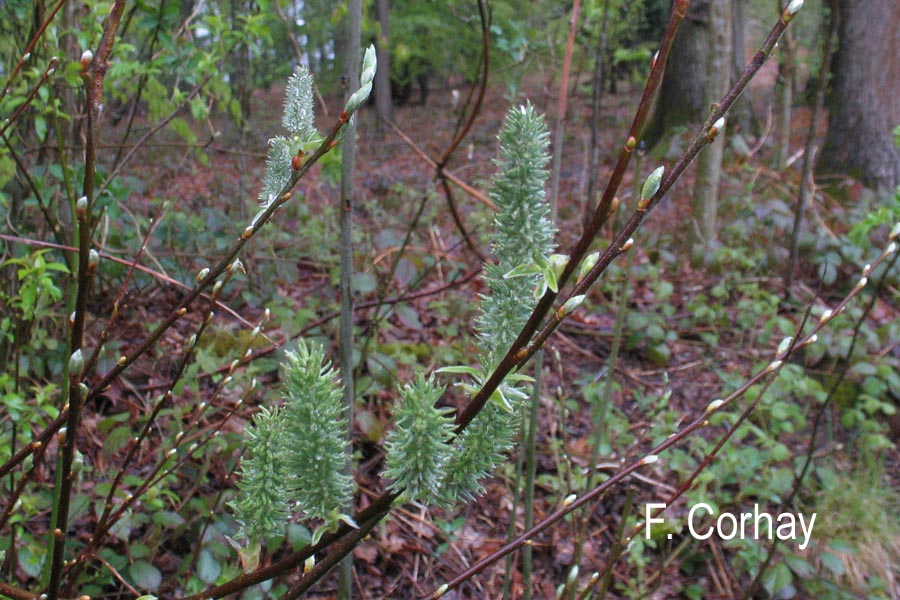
pixel 167 518
pixel 833 563
pixel 31 559
pixel 208 568
pixel 144 575
pixel 777 579
pixel 799 566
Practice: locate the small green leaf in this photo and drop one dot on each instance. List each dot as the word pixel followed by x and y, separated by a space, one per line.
pixel 833 563
pixel 461 370
pixel 167 518
pixel 208 568
pixel 144 575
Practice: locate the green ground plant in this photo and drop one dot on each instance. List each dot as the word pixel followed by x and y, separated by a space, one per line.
pixel 185 477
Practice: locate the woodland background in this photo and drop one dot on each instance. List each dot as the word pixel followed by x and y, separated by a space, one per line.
pixel 774 225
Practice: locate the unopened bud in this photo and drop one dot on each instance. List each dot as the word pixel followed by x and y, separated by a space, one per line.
pixel 649 459
pixel 714 406
pixel 86 57
pixel 715 129
pixel 794 7
pixel 570 499
pixel 861 283
pixel 93 261
pixel 440 591
pixel 895 232
pixel 783 347
pixel 76 364
pixel 775 364
pixel 202 274
pixel 308 564
pixel 81 208
pixel 628 244
pixel 569 307
pixel 650 187
pixel 587 264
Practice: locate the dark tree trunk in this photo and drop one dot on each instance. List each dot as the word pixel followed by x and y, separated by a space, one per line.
pixel 682 95
pixel 864 102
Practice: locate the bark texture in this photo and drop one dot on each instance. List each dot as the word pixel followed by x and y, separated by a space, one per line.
pixel 682 95
pixel 864 102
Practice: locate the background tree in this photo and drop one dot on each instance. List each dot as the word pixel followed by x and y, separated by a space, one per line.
pixel 864 102
pixel 383 104
pixel 705 203
pixel 682 96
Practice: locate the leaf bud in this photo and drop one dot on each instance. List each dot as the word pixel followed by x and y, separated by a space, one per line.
pixel 201 275
pixel 895 232
pixel 86 57
pixel 76 364
pixel 587 264
pixel 236 265
pixel 440 591
pixel 794 7
pixel 714 405
pixel 93 261
pixel 308 564
pixel 649 459
pixel 783 347
pixel 651 186
pixel 569 307
pixel 774 365
pixel 81 208
pixel 570 499
pixel 715 129
pixel 628 244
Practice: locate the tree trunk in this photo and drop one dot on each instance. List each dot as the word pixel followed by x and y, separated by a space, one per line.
pixel 705 203
pixel 383 105
pixel 741 114
pixel 864 102
pixel 682 95
pixel 785 94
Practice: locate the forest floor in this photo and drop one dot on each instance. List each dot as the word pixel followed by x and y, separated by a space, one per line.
pixel 418 548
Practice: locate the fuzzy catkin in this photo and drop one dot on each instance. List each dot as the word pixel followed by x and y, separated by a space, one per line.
pixel 523 235
pixel 262 505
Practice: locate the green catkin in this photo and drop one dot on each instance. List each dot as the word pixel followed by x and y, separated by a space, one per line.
pixel 314 425
pixel 523 235
pixel 417 448
pixel 298 120
pixel 262 505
